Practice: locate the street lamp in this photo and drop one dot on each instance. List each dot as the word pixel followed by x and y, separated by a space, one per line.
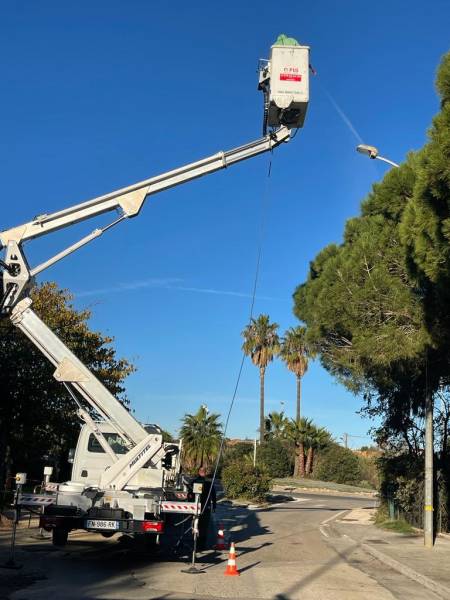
pixel 372 152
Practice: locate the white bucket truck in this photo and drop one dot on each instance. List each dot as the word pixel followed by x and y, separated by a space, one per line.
pixel 125 479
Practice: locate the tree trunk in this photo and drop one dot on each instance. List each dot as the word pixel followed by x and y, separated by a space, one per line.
pixel 299 465
pixel 309 461
pixel 302 459
pixel 296 463
pixel 261 405
pixel 299 395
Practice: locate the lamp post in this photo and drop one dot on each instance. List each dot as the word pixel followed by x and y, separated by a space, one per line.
pixel 428 520
pixel 373 153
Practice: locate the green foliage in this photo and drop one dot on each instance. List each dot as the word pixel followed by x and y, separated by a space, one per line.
pixel 398 526
pixel 426 226
pixel 425 230
pixel 275 425
pixel 382 514
pixel 274 458
pixel 167 436
pixel 295 352
pixel 238 452
pixel 338 464
pixel 359 303
pixel 383 521
pixel 243 480
pixel 261 343
pixel 317 439
pixel 201 434
pixel 402 482
pixel 409 494
pixel 393 466
pixel 296 436
pixel 376 306
pixel 297 431
pixel 368 471
pixel 38 420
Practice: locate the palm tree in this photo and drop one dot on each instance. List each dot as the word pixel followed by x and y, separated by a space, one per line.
pixel 295 352
pixel 276 424
pixel 316 439
pixel 261 343
pixel 297 432
pixel 201 434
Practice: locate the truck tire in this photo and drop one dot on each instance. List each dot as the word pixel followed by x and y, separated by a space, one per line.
pixel 59 536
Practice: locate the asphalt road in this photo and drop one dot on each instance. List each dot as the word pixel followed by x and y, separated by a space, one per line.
pixel 285 551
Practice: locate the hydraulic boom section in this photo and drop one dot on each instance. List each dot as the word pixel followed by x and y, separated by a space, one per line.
pixel 128 201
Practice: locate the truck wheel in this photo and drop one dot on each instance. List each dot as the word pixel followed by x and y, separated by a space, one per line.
pixel 59 536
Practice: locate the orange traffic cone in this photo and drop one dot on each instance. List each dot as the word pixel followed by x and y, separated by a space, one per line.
pixel 221 545
pixel 231 566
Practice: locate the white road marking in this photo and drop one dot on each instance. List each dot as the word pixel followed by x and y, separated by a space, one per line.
pixel 334 517
pixel 323 532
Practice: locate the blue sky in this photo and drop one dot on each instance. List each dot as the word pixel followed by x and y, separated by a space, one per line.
pixel 97 95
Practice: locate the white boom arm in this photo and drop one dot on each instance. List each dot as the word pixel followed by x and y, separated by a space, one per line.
pixel 69 369
pixel 128 200
pixel 144 447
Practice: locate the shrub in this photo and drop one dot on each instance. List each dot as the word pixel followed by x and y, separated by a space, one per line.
pixel 338 464
pixel 240 452
pixel 394 469
pixel 237 452
pixel 369 471
pixel 274 458
pixel 402 482
pixel 409 495
pixel 243 480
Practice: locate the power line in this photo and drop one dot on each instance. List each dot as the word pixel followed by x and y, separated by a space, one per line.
pixel 262 228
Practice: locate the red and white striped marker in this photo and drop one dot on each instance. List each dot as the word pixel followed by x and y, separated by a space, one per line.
pixel 231 566
pixel 220 545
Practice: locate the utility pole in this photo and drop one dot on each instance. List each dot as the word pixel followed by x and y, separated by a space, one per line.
pixel 428 521
pixel 346 440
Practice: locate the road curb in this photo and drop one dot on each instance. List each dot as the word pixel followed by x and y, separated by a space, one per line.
pixel 325 491
pixel 432 585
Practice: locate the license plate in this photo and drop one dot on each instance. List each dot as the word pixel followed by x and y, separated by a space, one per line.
pixel 100 524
